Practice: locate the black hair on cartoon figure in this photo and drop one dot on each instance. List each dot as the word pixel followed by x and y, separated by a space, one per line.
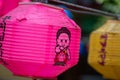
pixel 63 30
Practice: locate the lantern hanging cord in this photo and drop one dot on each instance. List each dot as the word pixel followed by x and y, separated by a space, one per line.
pixel 86 12
pixel 43 1
pixel 93 11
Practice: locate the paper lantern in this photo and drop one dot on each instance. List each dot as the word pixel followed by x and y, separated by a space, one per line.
pixel 8 5
pixel 39 41
pixel 104 53
pixel 68 12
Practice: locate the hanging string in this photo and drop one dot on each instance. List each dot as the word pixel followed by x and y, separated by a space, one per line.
pixel 43 1
pixel 93 11
pixel 87 12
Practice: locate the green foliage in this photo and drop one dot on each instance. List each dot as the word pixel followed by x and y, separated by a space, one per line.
pixel 110 5
pixel 88 23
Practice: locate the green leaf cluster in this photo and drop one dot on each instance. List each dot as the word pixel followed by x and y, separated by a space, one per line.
pixel 110 5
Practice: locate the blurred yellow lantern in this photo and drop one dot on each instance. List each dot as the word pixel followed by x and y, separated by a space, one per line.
pixel 104 52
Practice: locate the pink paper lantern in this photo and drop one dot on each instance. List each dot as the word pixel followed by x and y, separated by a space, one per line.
pixel 39 41
pixel 8 5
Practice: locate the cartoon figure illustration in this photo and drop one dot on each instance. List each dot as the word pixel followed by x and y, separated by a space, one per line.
pixel 62 47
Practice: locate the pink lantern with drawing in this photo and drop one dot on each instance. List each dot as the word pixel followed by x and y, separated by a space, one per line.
pixel 38 41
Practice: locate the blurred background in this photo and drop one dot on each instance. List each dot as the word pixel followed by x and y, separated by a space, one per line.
pixel 88 23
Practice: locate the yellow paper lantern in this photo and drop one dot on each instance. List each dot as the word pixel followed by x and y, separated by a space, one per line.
pixel 104 52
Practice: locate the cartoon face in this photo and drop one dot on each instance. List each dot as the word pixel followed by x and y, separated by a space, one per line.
pixel 63 40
